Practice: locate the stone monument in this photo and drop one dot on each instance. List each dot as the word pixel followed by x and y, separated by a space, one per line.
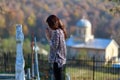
pixel 20 63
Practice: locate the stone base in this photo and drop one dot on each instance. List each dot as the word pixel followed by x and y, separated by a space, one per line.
pixel 7 76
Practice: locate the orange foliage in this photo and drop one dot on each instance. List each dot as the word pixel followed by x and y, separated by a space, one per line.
pixel 25 29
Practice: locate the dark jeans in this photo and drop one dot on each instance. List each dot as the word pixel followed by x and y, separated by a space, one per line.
pixel 59 73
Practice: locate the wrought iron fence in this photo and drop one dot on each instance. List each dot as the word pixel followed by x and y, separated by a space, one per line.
pixel 78 69
pixel 88 70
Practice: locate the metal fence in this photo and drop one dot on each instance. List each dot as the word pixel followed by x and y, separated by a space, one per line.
pixel 80 69
pixel 88 70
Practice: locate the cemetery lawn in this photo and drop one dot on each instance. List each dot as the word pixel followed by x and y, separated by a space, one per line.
pixel 87 74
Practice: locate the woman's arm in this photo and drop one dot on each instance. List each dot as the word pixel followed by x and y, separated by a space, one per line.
pixel 54 42
pixel 48 34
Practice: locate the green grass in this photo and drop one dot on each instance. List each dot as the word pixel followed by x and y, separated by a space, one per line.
pixel 87 74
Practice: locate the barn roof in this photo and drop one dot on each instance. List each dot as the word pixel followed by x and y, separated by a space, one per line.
pixel 96 43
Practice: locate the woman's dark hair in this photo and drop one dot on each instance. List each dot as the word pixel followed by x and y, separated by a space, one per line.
pixel 54 23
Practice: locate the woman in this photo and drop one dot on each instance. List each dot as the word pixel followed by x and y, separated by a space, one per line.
pixel 56 35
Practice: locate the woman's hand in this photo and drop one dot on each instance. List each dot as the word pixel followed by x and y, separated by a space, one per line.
pixel 48 34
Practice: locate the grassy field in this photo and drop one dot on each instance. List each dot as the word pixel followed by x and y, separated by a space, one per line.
pixel 87 74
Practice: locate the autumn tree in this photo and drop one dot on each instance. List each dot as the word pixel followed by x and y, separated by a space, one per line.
pixel 115 10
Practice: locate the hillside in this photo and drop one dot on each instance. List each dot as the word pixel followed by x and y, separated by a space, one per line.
pixel 33 13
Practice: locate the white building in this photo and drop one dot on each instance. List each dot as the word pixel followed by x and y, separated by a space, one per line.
pixel 83 42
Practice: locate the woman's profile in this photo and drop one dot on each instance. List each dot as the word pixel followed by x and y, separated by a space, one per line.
pixel 56 35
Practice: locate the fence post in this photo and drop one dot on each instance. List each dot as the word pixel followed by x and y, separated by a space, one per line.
pixel 28 74
pixel 67 76
pixel 32 55
pixel 94 68
pixel 5 62
pixel 51 71
pixel 36 60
